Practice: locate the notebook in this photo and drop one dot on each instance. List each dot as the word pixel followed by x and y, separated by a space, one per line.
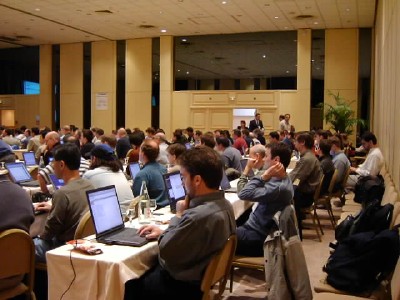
pixel 56 182
pixel 243 163
pixel 225 185
pixel 175 187
pixel 20 175
pixel 107 219
pixel 134 168
pixel 29 159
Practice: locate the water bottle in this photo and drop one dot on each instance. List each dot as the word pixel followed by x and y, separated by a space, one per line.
pixel 41 162
pixel 144 205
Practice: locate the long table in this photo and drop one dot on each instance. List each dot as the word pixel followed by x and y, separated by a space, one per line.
pixel 103 276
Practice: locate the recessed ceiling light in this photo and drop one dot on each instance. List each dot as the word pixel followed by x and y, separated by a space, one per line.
pixel 163 30
pixel 187 72
pixel 315 23
pixel 276 17
pixel 312 60
pixel 264 56
pixel 184 40
pixel 179 70
pixel 224 2
pixel 287 72
pixel 37 9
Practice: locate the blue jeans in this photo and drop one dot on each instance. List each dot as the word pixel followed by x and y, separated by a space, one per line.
pixel 42 246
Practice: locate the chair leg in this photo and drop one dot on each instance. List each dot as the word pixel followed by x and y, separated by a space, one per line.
pixel 319 223
pixel 231 280
pixel 316 227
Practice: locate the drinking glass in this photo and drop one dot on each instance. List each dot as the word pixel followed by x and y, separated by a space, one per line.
pixel 130 214
pixel 153 205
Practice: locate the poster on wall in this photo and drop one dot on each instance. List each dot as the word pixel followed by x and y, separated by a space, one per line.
pixel 101 101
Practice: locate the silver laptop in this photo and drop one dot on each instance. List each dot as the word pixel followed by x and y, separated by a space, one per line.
pixel 107 219
pixel 29 159
pixel 175 187
pixel 19 174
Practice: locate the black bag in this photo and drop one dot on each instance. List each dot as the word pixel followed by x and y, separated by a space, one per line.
pixel 361 261
pixel 373 217
pixel 369 188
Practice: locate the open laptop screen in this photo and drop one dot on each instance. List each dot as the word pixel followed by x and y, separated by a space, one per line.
pixel 105 209
pixel 29 159
pixel 18 172
pixel 56 182
pixel 134 168
pixel 175 187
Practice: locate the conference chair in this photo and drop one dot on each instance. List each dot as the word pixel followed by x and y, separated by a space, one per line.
pixel 85 226
pixel 324 201
pixel 341 193
pixel 218 270
pixel 17 256
pixel 246 262
pixel 312 211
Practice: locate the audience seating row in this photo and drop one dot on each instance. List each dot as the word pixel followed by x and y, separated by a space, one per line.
pixel 388 289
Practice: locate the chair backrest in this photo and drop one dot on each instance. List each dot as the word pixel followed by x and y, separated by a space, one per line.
pixel 218 269
pixel 317 192
pixel 332 183
pixel 17 253
pixel 345 178
pixel 85 226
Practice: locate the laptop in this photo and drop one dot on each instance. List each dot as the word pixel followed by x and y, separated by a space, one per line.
pixel 188 146
pixel 20 175
pixel 243 163
pixel 55 181
pixel 225 185
pixel 134 168
pixel 175 187
pixel 107 219
pixel 29 159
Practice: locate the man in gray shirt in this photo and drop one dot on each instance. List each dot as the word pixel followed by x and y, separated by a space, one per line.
pixel 230 157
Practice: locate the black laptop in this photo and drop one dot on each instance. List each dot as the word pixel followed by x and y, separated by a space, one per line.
pixel 225 185
pixel 29 159
pixel 108 221
pixel 20 175
pixel 175 187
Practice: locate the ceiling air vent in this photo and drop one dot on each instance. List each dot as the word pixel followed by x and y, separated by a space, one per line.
pixel 103 11
pixel 304 17
pixel 146 26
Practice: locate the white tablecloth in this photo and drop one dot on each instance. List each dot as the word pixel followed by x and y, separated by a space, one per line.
pixel 103 276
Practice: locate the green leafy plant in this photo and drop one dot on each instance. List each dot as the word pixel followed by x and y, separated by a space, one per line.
pixel 341 116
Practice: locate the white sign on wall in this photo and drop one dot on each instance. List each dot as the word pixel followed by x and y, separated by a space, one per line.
pixel 101 101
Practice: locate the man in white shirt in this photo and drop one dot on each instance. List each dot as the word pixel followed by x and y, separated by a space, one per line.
pixel 284 124
pixel 372 164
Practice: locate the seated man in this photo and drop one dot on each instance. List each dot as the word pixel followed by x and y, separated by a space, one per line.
pixel 372 164
pixel 306 174
pixel 68 205
pixel 272 191
pixel 327 167
pixel 6 153
pixel 203 223
pixel 340 161
pixel 230 157
pixel 152 173
pixel 43 175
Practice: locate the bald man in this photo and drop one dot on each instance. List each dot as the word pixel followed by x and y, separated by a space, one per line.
pixel 123 145
pixel 152 173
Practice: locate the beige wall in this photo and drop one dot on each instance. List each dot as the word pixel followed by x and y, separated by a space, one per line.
pixel 104 70
pixel 138 80
pixel 46 86
pixel 341 67
pixel 387 85
pixel 71 84
pixel 18 110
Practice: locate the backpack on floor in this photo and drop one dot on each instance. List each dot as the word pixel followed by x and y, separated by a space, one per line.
pixel 361 261
pixel 373 217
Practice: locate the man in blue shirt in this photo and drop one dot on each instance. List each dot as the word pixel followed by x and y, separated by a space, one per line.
pixel 272 191
pixel 152 173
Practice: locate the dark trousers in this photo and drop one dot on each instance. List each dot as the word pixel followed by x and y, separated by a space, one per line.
pixel 249 242
pixel 301 200
pixel 157 283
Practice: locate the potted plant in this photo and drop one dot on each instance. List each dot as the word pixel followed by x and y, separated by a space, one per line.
pixel 340 116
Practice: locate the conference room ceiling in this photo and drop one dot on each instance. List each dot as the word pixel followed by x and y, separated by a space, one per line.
pixel 36 22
